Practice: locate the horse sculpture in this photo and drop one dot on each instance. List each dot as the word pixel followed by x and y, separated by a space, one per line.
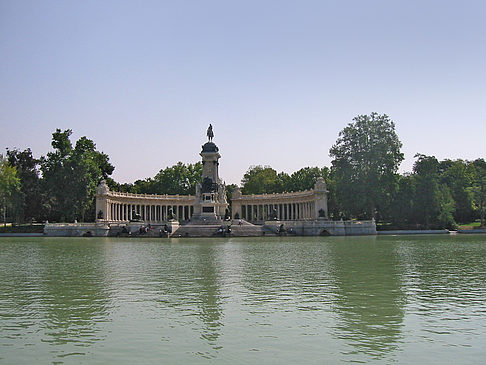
pixel 210 133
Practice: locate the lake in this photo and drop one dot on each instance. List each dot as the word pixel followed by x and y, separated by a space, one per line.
pixel 275 300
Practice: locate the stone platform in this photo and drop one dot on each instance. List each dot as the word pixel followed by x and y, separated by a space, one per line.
pixel 211 228
pixel 220 229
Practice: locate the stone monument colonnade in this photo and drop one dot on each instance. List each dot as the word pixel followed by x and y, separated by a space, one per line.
pixel 151 208
pixel 206 213
pixel 300 205
pixel 209 203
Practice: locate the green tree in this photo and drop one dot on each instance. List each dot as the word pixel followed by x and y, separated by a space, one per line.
pixel 365 162
pixel 9 188
pixel 178 179
pixel 433 201
pixel 458 176
pixel 259 179
pixel 478 188
pixel 282 183
pixel 71 175
pixel 31 194
pixel 403 212
pixel 305 178
pixel 229 191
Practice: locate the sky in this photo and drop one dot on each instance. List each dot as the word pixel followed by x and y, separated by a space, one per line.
pixel 278 80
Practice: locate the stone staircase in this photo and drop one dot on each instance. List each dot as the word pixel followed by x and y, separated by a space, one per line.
pixel 245 229
pixel 197 230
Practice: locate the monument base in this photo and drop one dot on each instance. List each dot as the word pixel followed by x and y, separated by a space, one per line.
pixel 205 218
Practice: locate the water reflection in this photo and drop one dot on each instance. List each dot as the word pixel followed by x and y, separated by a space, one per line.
pixel 53 290
pixel 208 287
pixel 287 273
pixel 278 300
pixel 452 272
pixel 74 296
pixel 370 300
pixel 445 286
pixel 179 281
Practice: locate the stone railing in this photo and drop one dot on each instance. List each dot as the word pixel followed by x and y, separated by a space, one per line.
pixel 150 196
pixel 277 196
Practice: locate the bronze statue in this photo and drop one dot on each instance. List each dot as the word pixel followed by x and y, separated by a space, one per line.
pixel 171 215
pixel 210 133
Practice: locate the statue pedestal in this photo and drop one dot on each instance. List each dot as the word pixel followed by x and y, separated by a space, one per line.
pixel 173 226
pixel 205 218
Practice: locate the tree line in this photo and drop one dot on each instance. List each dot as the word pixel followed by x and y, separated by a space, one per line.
pixel 363 181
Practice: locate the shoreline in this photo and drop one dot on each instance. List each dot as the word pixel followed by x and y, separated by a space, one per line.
pixel 378 233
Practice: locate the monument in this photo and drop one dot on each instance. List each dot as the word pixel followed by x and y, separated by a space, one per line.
pixel 207 212
pixel 210 202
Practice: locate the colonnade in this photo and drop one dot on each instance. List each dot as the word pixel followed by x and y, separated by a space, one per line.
pixel 148 212
pixel 301 205
pixel 282 211
pixel 287 206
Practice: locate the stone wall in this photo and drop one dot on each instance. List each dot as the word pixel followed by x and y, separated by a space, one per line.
pixel 324 227
pixel 76 229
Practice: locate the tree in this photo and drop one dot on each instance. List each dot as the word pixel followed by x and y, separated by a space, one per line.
pixel 305 178
pixel 433 201
pixel 71 175
pixel 265 180
pixel 28 172
pixel 479 188
pixel 258 180
pixel 458 176
pixel 403 212
pixel 365 162
pixel 178 179
pixel 9 187
pixel 282 183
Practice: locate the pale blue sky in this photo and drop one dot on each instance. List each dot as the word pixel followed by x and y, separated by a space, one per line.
pixel 277 79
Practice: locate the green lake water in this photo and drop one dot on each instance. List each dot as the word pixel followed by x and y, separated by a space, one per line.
pixel 404 300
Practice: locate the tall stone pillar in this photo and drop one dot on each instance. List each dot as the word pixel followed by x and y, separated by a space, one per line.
pixel 320 205
pixel 102 205
pixel 210 204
